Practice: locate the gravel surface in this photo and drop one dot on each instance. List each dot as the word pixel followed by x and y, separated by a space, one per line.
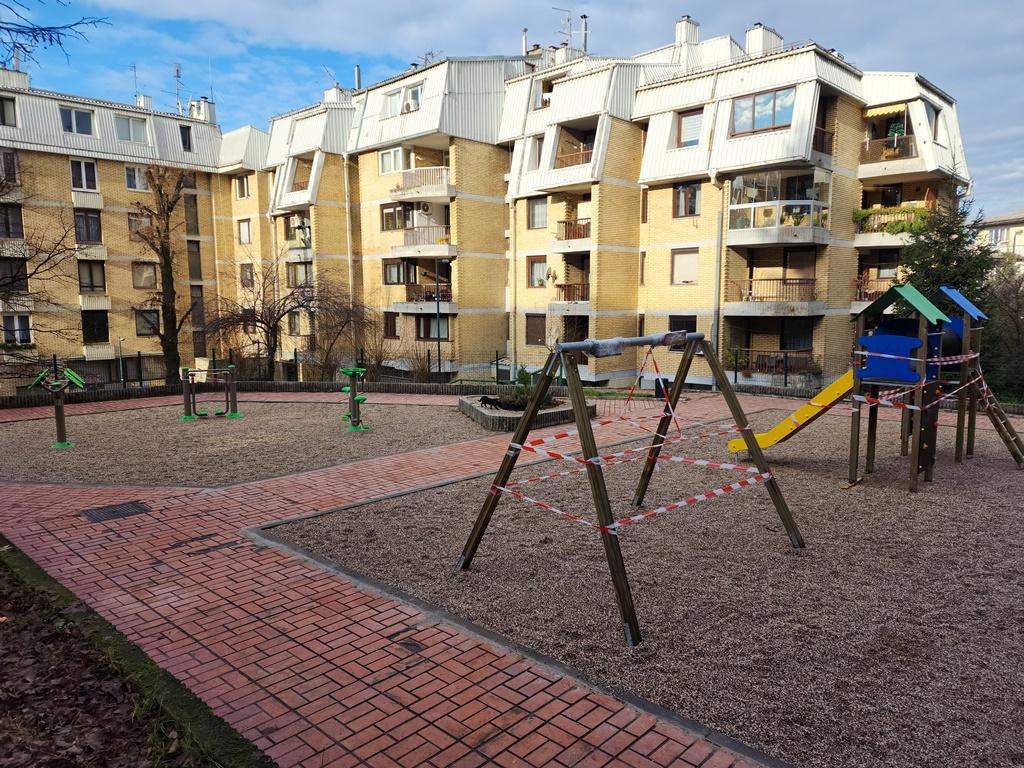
pixel 895 639
pixel 151 446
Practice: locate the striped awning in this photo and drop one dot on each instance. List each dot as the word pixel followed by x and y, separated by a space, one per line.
pixel 891 109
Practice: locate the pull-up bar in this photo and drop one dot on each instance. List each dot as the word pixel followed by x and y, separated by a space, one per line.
pixel 614 346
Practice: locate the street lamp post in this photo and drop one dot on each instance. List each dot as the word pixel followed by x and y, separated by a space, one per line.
pixel 120 355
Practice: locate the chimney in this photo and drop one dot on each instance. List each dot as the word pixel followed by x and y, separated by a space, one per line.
pixel 525 44
pixel 358 77
pixel 584 31
pixel 13 78
pixel 144 102
pixel 687 31
pixel 202 110
pixel 761 40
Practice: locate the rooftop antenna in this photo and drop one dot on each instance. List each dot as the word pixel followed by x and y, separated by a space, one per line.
pixel 135 78
pixel 330 74
pixel 429 57
pixel 209 70
pixel 565 28
pixel 177 87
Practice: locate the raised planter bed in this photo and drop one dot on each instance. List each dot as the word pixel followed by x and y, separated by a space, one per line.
pixel 499 420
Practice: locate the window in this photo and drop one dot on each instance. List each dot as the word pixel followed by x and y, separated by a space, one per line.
pixel 394 159
pixel 191 215
pixel 536 213
pixel 13 274
pixel 427 327
pixel 294 323
pixel 199 343
pixel 888 262
pixel 147 322
pixel 684 266
pixel 94 326
pixel 8 167
pixel 536 330
pixel 76 120
pixel 300 274
pixel 87 226
pixel 144 275
pixel 395 216
pixel 536 271
pixel 7 116
pixel 244 231
pixel 686 323
pixel 390 325
pixel 91 277
pixel 249 319
pixel 10 221
pixel 137 221
pixel 198 306
pixel 891 197
pixel 643 266
pixel 640 325
pixel 796 333
pixel 242 186
pixel 542 94
pixel 130 128
pixel 83 175
pixel 245 276
pixel 536 152
pixel 413 94
pixel 686 199
pixel 186 137
pixel 392 103
pixel 398 272
pixel 17 329
pixel 763 111
pixel 135 178
pixel 188 179
pixel 643 205
pixel 195 260
pixel 688 128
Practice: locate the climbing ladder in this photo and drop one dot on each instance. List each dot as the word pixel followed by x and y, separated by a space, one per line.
pixel 996 414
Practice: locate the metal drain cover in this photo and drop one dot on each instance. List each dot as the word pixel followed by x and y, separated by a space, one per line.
pixel 115 511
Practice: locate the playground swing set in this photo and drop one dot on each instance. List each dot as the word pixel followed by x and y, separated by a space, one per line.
pixel 564 358
pixel 56 382
pixel 226 377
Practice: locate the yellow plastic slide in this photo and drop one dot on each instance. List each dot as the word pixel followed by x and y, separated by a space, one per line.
pixel 802 416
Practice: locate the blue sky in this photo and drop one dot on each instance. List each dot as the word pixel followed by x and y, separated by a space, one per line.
pixel 262 57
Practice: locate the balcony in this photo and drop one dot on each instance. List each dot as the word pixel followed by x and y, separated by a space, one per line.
pixel 773 297
pixel 425 184
pixel 888 227
pixel 772 367
pixel 571 235
pixel 426 299
pixel 866 289
pixel 891 148
pixel 823 141
pixel 299 186
pixel 431 240
pixel 569 159
pixel 788 222
pixel 572 299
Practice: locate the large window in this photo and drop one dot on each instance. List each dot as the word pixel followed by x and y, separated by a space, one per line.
pixel 432 327
pixel 191 214
pixel 790 198
pixel 144 275
pixel 763 111
pixel 95 329
pixel 536 271
pixel 300 274
pixel 399 272
pixel 137 221
pixel 394 159
pixel 83 175
pixel 186 137
pixel 135 178
pixel 536 330
pixel 395 216
pixel 688 128
pixel 87 226
pixel 130 128
pixel 390 325
pixel 684 266
pixel 7 114
pixel 245 231
pixel 13 274
pixel 10 221
pixel 147 322
pixel 17 329
pixel 76 120
pixel 686 323
pixel 536 213
pixel 686 199
pixel 92 277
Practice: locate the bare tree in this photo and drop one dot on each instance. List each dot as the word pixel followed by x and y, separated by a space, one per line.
pixel 338 326
pixel 156 230
pixel 21 36
pixel 378 348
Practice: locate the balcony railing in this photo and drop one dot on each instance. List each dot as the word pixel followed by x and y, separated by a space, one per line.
pixel 574 158
pixel 573 291
pixel 774 289
pixel 298 186
pixel 822 141
pixel 891 220
pixel 428 292
pixel 430 234
pixel 867 288
pixel 784 213
pixel 573 229
pixel 769 361
pixel 436 176
pixel 891 148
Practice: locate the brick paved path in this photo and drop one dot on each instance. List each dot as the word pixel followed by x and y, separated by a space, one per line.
pixel 312 669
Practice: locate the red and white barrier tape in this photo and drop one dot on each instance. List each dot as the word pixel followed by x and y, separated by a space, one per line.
pixel 544 505
pixel 889 403
pixel 930 360
pixel 604 458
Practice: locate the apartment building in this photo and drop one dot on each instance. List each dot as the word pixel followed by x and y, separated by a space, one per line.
pixel 485 206
pixel 1006 233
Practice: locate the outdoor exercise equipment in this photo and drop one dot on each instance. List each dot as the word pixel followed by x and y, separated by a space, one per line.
pixel 353 417
pixel 227 377
pixel 564 358
pixel 56 383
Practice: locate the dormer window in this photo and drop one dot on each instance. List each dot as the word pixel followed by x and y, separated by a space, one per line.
pixel 76 120
pixel 688 127
pixel 186 137
pixel 7 116
pixel 130 128
pixel 542 98
pixel 392 103
pixel 413 94
pixel 766 111
pixel 403 100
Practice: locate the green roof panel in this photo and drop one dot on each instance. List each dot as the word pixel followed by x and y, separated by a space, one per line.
pixel 917 301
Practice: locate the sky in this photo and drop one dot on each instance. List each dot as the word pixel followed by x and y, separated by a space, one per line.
pixel 258 58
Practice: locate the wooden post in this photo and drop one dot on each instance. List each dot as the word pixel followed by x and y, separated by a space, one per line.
pixel 917 420
pixel 756 454
pixel 58 415
pixel 869 459
pixel 961 397
pixel 905 427
pixel 508 463
pixel 630 625
pixel 665 422
pixel 858 389
pixel 186 394
pixel 972 400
